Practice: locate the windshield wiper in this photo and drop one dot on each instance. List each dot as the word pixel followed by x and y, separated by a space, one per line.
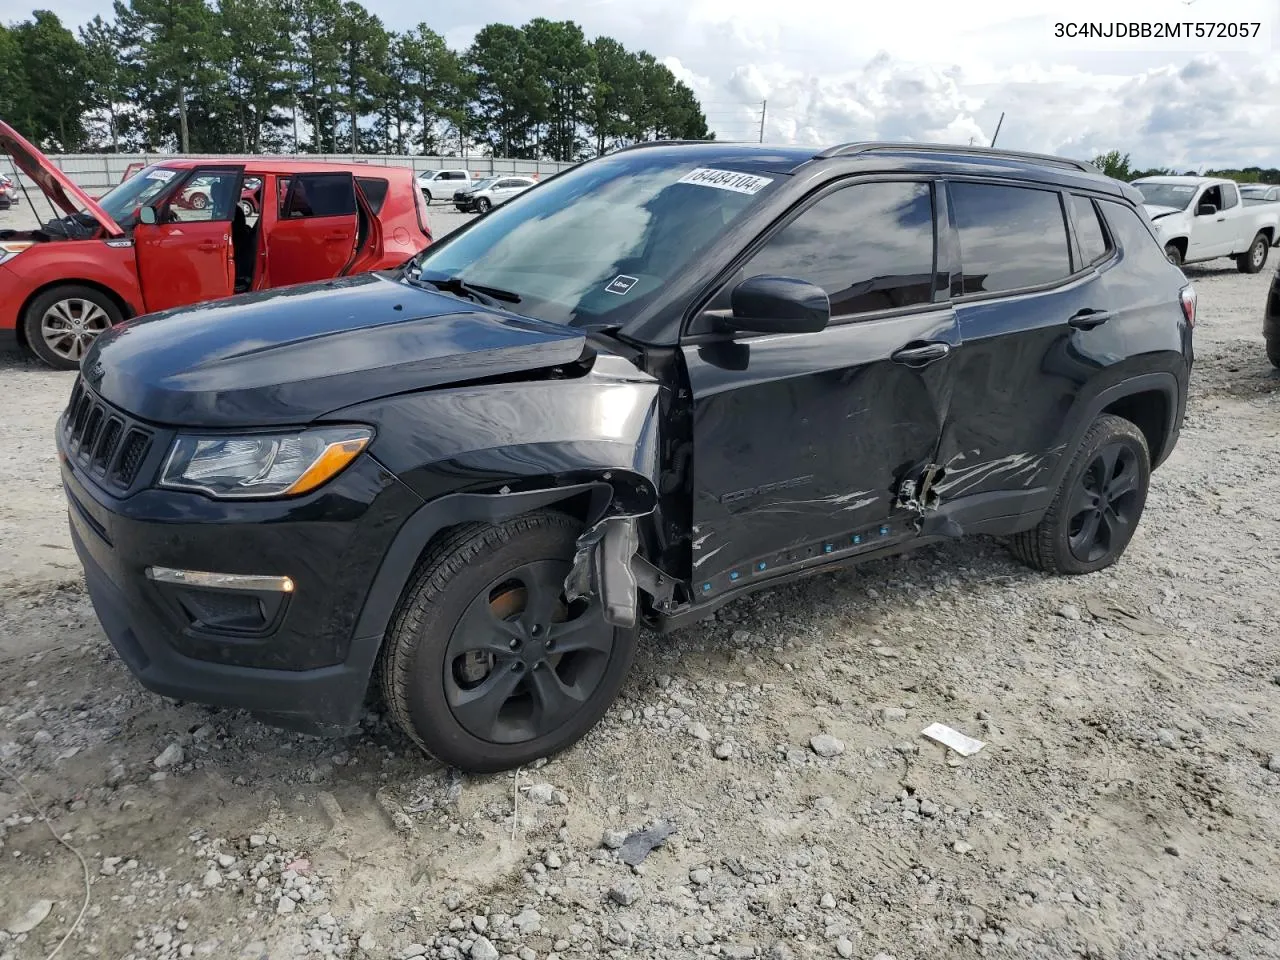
pixel 485 295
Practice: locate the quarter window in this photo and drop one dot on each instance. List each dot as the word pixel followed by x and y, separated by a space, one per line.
pixel 870 246
pixel 1093 240
pixel 375 191
pixel 1010 237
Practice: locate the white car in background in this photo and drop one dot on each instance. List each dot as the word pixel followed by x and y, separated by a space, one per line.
pixel 442 184
pixel 1253 193
pixel 1203 218
pixel 491 192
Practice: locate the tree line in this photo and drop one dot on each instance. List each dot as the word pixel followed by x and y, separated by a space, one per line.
pixel 327 76
pixel 1115 164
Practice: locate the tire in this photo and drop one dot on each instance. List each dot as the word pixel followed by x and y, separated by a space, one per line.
pixel 1173 254
pixel 1255 258
pixel 246 208
pixel 484 205
pixel 431 666
pixel 199 201
pixel 82 312
pixel 1058 544
pixel 426 195
pixel 1273 352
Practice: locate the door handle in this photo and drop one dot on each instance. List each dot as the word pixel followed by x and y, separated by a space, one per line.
pixel 339 236
pixel 1221 219
pixel 921 354
pixel 209 245
pixel 1088 319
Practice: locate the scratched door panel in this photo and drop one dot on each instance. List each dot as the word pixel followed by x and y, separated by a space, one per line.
pixel 803 436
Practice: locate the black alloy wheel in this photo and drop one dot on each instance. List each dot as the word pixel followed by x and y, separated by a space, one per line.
pixel 1106 504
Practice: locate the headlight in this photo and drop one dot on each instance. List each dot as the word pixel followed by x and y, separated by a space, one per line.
pixel 266 465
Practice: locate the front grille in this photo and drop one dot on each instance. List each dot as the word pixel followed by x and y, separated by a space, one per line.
pixel 106 443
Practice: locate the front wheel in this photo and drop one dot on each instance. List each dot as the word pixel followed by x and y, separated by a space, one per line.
pixel 199 201
pixel 426 195
pixel 1273 352
pixel 1096 511
pixel 1256 257
pixel 484 205
pixel 487 666
pixel 1173 254
pixel 61 324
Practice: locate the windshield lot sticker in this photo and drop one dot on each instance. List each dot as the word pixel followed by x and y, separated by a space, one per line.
pixel 747 183
pixel 164 176
pixel 621 284
pixel 1183 189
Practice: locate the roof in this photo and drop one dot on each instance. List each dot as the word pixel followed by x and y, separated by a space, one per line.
pixel 280 166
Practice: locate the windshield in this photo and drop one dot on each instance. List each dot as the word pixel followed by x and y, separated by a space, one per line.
pixel 123 202
pixel 1176 195
pixel 484 184
pixel 593 245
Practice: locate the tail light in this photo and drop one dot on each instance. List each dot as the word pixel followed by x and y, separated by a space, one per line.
pixel 1188 298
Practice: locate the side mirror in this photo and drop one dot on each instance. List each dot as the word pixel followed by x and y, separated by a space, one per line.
pixel 147 215
pixel 779 305
pixel 1206 210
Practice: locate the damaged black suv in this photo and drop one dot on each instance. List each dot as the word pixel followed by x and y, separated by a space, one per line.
pixel 652 383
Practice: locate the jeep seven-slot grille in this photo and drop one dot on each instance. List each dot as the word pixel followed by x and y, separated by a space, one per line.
pixel 102 440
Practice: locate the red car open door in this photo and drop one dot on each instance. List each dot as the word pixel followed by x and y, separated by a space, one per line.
pixel 315 236
pixel 186 255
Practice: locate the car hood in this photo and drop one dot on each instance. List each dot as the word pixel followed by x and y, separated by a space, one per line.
pixel 291 355
pixel 1155 210
pixel 53 183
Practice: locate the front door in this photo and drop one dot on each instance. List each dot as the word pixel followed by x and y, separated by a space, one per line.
pixel 1210 232
pixel 315 236
pixel 186 255
pixel 803 441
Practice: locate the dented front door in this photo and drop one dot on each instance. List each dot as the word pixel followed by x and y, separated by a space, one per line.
pixel 803 442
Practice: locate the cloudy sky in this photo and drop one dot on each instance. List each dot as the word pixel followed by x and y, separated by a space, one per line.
pixel 937 70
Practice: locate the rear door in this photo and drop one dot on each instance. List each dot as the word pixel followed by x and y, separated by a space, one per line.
pixel 316 234
pixel 802 441
pixel 186 256
pixel 1037 324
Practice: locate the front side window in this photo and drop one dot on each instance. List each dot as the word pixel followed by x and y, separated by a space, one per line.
pixel 1213 197
pixel 596 243
pixel 1093 240
pixel 123 203
pixel 870 246
pixel 206 196
pixel 1010 237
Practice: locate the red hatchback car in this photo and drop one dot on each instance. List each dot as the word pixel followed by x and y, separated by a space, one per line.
pixel 150 245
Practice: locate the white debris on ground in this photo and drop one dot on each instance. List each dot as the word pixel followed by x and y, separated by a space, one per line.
pixel 1126 804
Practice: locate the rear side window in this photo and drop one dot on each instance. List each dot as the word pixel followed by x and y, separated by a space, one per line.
pixel 1089 231
pixel 870 246
pixel 1142 252
pixel 1010 237
pixel 375 191
pixel 320 195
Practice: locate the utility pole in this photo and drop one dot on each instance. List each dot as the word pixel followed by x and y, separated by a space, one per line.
pixel 764 106
pixel 998 126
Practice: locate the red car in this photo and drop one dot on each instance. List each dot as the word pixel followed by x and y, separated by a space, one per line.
pixel 148 245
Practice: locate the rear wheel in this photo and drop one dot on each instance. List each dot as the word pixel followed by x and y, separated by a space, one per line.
pixel 1255 258
pixel 199 201
pixel 1097 508
pixel 1173 254
pixel 1273 352
pixel 61 324
pixel 486 665
pixel 246 208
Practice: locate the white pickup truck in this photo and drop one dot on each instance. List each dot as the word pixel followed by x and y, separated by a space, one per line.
pixel 1203 218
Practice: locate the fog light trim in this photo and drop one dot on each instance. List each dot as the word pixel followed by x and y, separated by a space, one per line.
pixel 220 581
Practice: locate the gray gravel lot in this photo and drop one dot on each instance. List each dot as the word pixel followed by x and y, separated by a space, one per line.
pixel 1127 804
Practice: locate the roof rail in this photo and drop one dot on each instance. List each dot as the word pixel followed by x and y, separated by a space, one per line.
pixel 642 144
pixel 853 149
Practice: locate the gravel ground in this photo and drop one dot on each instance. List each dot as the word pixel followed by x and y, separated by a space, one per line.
pixel 1127 803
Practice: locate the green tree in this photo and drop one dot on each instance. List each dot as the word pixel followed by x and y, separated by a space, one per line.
pixel 508 94
pixel 258 69
pixel 617 75
pixel 15 94
pixel 104 77
pixel 174 49
pixel 432 84
pixel 362 53
pixel 1113 164
pixel 56 93
pixel 317 67
pixel 565 68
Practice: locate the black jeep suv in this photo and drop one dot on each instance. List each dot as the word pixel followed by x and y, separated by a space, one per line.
pixel 655 382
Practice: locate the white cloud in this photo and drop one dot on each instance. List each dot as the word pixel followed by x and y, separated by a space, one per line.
pixel 937 69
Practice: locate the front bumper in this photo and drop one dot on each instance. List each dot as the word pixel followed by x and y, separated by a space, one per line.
pixel 300 663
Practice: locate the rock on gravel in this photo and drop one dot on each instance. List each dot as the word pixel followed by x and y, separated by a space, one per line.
pixel 825 745
pixel 483 949
pixel 34 916
pixel 169 757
